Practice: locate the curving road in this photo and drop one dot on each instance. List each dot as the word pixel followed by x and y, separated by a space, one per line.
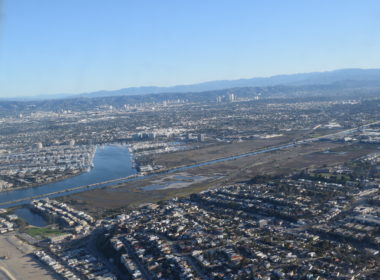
pixel 5 275
pixel 135 177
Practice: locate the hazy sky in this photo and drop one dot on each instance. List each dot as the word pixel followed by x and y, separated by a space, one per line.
pixel 74 46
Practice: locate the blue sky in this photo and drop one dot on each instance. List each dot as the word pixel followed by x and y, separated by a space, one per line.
pixel 75 46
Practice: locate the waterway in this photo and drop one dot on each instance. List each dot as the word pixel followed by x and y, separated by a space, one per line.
pixel 110 162
pixel 112 165
pixel 30 217
pixel 115 163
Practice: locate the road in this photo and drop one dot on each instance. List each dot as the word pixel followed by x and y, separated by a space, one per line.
pixel 91 246
pixel 131 252
pixel 136 177
pixel 5 275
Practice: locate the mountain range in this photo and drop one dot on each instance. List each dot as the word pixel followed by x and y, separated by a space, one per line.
pixel 343 77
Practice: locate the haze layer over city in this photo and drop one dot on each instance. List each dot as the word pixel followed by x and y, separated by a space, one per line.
pixel 189 140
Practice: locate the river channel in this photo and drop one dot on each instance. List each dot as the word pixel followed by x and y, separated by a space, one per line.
pixel 110 162
pixel 113 164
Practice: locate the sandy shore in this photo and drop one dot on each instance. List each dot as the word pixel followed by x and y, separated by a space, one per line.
pixel 4 274
pixel 19 263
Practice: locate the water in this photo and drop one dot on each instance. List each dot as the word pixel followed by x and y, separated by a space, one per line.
pixel 179 180
pixel 110 162
pixel 155 187
pixel 113 162
pixel 187 178
pixel 31 217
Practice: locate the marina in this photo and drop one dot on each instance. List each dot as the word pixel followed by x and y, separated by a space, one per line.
pixel 114 164
pixel 110 162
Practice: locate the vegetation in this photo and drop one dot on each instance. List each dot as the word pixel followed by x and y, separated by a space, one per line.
pixel 42 231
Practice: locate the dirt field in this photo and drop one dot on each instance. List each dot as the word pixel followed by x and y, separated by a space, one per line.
pixel 282 162
pixel 214 152
pixel 230 149
pixel 20 264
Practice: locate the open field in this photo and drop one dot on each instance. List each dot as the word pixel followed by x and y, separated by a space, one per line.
pixel 20 264
pixel 281 162
pixel 41 231
pixel 171 160
pixel 182 158
pixel 176 181
pixel 293 160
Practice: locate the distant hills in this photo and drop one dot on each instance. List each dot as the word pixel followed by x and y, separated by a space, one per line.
pixel 340 78
pixel 351 77
pixel 334 85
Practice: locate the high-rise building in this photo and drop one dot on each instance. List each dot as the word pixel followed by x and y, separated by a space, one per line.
pixel 72 142
pixel 38 145
pixel 201 137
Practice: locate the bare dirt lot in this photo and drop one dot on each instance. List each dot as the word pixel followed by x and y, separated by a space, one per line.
pixel 217 151
pixel 283 162
pixel 19 263
pixel 214 152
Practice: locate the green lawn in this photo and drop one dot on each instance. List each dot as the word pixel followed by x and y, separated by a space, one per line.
pixel 40 231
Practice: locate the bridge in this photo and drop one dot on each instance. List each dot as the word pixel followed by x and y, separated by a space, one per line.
pixel 184 167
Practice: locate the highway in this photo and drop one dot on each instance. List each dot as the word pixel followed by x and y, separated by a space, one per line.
pixel 140 176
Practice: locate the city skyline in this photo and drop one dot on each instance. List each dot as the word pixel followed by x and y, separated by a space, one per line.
pixel 73 47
